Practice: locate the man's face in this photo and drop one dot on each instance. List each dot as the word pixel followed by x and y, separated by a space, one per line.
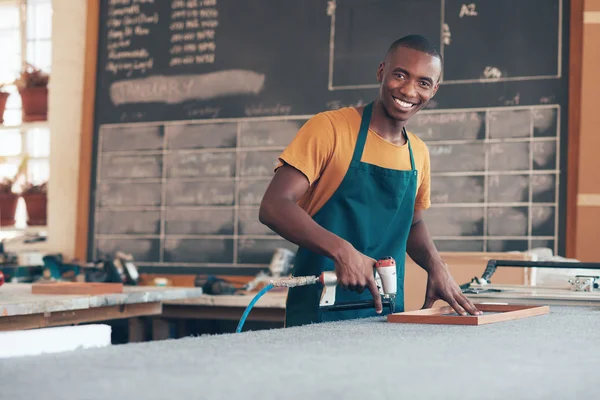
pixel 409 79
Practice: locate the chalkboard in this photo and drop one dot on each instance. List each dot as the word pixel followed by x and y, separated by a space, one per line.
pixel 195 100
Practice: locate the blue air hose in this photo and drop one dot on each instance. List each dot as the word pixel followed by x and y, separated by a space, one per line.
pixel 254 300
pixel 282 282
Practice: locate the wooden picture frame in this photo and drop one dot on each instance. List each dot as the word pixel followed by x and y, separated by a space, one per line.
pixel 447 316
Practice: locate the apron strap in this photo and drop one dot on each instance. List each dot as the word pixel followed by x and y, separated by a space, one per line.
pixel 363 132
pixel 412 160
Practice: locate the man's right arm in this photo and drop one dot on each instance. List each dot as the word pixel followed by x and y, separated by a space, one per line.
pixel 280 212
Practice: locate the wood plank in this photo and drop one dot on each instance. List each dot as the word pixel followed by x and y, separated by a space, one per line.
pixel 574 123
pixel 443 315
pixel 76 288
pixel 188 280
pixel 74 317
pixel 87 129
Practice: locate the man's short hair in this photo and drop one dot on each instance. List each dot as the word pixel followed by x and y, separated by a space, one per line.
pixel 416 42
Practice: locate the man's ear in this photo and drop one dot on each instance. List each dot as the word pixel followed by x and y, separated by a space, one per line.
pixel 380 72
pixel 435 89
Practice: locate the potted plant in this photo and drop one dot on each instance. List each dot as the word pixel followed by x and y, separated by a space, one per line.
pixel 3 97
pixel 33 88
pixel 8 202
pixel 36 199
pixel 8 198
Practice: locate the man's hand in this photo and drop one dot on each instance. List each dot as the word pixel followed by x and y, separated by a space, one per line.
pixel 441 286
pixel 354 271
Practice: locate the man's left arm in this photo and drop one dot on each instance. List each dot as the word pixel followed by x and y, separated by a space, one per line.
pixel 440 284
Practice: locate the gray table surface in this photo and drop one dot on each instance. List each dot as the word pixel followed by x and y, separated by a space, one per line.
pixel 17 299
pixel 554 356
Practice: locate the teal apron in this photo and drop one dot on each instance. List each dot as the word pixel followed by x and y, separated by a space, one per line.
pixel 373 210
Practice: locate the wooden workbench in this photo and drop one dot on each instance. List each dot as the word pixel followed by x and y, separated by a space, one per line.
pixel 270 308
pixel 20 309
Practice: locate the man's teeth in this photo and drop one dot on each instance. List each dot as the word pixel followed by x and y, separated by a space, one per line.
pixel 403 103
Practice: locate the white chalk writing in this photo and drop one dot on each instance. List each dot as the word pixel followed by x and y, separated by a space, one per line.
pixel 127 21
pixel 440 150
pixel 468 10
pixel 443 118
pixel 193 32
pixel 491 73
pixel 513 101
pixel 179 88
pixel 208 111
pixel 260 109
pixel 543 119
pixel 447 35
pixel 496 149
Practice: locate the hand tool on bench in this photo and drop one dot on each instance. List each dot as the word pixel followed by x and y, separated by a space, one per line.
pixel 385 278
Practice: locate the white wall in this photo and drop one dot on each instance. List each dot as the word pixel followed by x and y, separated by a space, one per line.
pixel 64 116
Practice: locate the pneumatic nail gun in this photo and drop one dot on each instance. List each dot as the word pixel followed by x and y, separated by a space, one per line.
pixel 385 278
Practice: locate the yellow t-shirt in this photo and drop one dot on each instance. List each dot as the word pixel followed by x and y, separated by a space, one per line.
pixel 323 148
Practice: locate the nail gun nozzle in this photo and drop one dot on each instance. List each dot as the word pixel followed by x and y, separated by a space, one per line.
pixel 295 281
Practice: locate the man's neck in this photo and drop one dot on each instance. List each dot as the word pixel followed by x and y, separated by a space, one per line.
pixel 386 127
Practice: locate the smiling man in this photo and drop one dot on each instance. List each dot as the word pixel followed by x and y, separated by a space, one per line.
pixel 352 187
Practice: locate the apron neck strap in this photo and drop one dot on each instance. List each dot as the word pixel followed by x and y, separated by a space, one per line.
pixel 412 160
pixel 364 131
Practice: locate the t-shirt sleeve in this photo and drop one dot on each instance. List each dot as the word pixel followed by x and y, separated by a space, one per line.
pixel 423 200
pixel 311 149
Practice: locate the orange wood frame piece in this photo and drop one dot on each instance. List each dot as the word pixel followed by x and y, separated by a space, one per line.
pixel 76 288
pixel 87 128
pixel 443 315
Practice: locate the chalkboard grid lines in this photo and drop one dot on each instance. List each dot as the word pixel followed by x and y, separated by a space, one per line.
pixel 530 191
pixel 558 182
pixel 163 200
pixel 200 162
pixel 186 193
pixel 486 185
pixel 495 176
pixel 236 206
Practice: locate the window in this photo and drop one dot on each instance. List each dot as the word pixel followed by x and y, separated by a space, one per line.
pixel 25 37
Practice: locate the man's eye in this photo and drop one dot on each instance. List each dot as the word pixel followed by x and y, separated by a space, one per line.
pixel 425 84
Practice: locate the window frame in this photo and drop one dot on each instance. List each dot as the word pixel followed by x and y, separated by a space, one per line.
pixel 25 127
